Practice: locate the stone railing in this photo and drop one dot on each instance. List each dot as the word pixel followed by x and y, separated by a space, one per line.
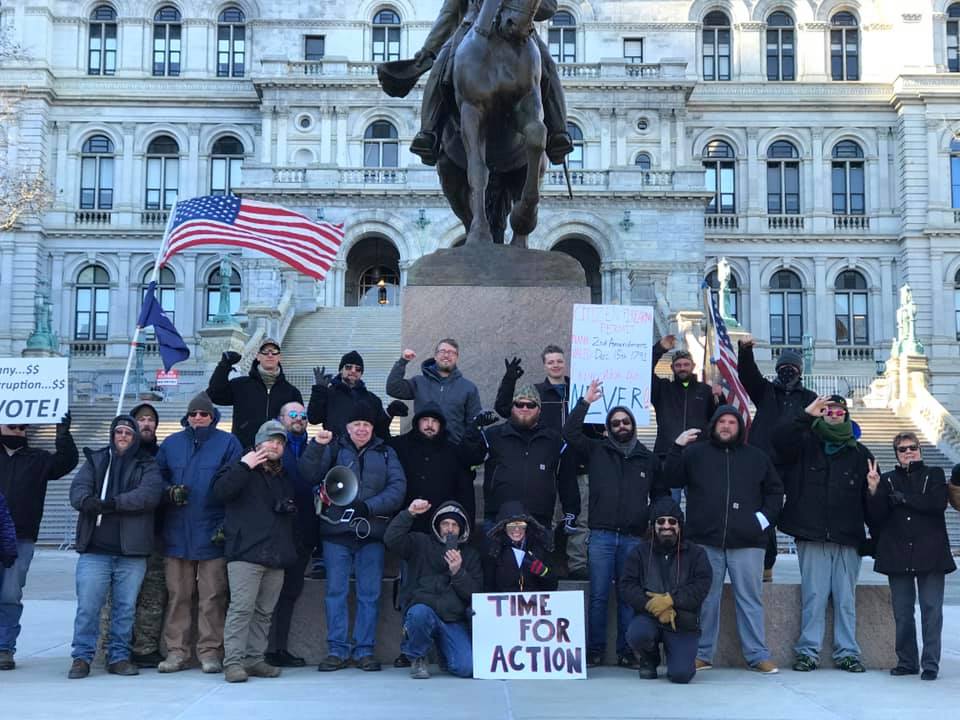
pixel 856 353
pixel 154 218
pixel 285 176
pixel 956 216
pixel 642 70
pixel 92 217
pixel 579 70
pixel 721 221
pixel 373 176
pixel 851 223
pixel 287 311
pixel 785 222
pixel 332 67
pixel 656 178
pixel 85 348
pixel 933 419
pixel 595 178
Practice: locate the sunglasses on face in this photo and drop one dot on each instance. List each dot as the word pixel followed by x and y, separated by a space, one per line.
pixel 269 353
pixel 516 526
pixel 908 448
pixel 525 405
pixel 667 521
pixel 294 415
pixel 350 368
pixel 199 413
pixel 625 422
pixel 836 412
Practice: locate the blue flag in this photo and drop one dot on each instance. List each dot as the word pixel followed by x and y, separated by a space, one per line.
pixel 171 345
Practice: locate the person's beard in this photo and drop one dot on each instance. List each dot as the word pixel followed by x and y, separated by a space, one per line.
pixel 527 422
pixel 667 540
pixel 13 442
pixel 622 436
pixel 682 376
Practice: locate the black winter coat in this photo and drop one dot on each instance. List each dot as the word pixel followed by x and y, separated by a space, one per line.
pixel 554 401
pixel 678 408
pixel 253 404
pixel 912 536
pixel 254 531
pixel 24 477
pixel 826 494
pixel 333 405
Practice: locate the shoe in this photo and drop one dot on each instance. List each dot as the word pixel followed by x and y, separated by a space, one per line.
pixel 851 664
pixel 559 145
pixel 579 574
pixel 594 659
pixel 332 663
pixel 262 669
pixel 898 671
pixel 418 669
pixel 123 667
pixel 368 663
pixel 284 658
pixel 928 675
pixel 628 660
pixel 79 669
pixel 765 667
pixel 804 663
pixel 172 664
pixel 424 146
pixel 211 666
pixel 647 672
pixel 235 674
pixel 402 661
pixel 6 661
pixel 148 660
pixel 768 574
pixel 702 665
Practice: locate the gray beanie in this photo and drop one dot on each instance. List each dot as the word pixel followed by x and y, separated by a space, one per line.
pixel 201 402
pixel 790 357
pixel 271 428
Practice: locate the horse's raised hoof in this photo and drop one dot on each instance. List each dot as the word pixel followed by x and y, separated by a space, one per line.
pixel 523 218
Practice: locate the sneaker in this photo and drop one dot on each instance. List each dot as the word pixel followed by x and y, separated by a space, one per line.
pixel 332 663
pixel 899 670
pixel 262 669
pixel 235 674
pixel 211 666
pixel 928 675
pixel 765 667
pixel 628 660
pixel 418 669
pixel 402 661
pixel 123 667
pixel 79 669
pixel 6 661
pixel 702 665
pixel 594 658
pixel 804 663
pixel 368 663
pixel 851 663
pixel 172 664
pixel 147 660
pixel 284 658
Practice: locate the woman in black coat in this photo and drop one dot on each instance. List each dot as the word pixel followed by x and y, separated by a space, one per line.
pixel 906 507
pixel 517 549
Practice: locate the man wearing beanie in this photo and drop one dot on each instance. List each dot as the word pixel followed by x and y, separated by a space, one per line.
pixel 334 399
pixel 825 511
pixel 776 401
pixel 194 563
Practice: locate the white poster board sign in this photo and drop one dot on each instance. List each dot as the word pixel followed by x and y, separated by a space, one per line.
pixel 33 391
pixel 615 344
pixel 533 636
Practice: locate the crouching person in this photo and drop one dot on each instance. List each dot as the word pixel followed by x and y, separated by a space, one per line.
pixel 442 573
pixel 666 580
pixel 258 527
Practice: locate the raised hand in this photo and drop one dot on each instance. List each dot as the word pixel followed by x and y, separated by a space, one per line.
pixel 409 355
pixel 873 476
pixel 717 390
pixel 747 341
pixel 320 376
pixel 818 406
pixel 323 436
pixel 398 408
pixel 687 437
pixel 230 358
pixel 594 391
pixel 454 560
pixel 513 371
pixel 253 458
pixel 487 417
pixel 668 342
pixel 419 507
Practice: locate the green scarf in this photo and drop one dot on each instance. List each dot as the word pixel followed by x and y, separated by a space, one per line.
pixel 834 437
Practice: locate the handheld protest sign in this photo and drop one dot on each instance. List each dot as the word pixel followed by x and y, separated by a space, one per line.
pixel 534 636
pixel 33 391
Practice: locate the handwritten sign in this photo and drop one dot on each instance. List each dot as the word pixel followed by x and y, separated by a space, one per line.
pixel 33 391
pixel 529 636
pixel 615 344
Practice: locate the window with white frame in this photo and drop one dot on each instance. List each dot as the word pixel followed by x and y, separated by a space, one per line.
pixel 783 179
pixel 167 45
pixel 781 48
pixel 633 50
pixel 102 41
pixel 720 163
pixel 844 47
pixel 163 173
pixel 851 304
pixel 386 36
pixel 231 43
pixel 848 179
pixel 92 304
pixel 786 309
pixel 953 38
pixel 226 162
pixel 716 46
pixel 562 37
pixel 380 145
pixel 96 173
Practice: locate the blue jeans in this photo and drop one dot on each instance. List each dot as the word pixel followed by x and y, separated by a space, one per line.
pixel 606 553
pixel 422 627
pixel 366 562
pixel 12 581
pixel 645 635
pixel 96 576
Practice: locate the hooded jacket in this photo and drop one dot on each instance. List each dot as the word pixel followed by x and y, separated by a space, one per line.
pixel 24 476
pixel 826 494
pixel 503 571
pixel 192 457
pixel 458 398
pixel 334 404
pixel 427 579
pixel 135 485
pixel 621 486
pixel 8 536
pixel 253 403
pixel 152 448
pixel 437 468
pixel 727 484
pixel 683 571
pixel 679 407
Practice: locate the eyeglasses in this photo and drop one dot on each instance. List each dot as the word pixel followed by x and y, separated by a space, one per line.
pixel 625 422
pixel 198 413
pixel 447 352
pixel 908 448
pixel 294 415
pixel 525 405
pixel 520 525
pixel 21 428
pixel 270 353
pixel 123 431
pixel 666 521
pixel 350 368
pixel 837 412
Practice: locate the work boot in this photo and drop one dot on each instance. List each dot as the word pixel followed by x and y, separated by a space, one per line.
pixel 263 669
pixel 6 660
pixel 402 661
pixel 332 663
pixel 424 145
pixel 368 663
pixel 765 667
pixel 702 665
pixel 284 658
pixel 559 145
pixel 172 664
pixel 235 674
pixel 147 660
pixel 211 666
pixel 418 669
pixel 123 667
pixel 79 669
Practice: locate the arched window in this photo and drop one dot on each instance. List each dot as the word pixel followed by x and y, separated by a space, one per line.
pixel 163 173
pixel 575 158
pixel 786 308
pixel 716 46
pixel 844 47
pixel 955 173
pixel 781 48
pixel 96 174
pixel 380 146
pixel 953 38
pixel 562 37
pixel 166 293
pixel 713 282
pixel 102 41
pixel 386 36
pixel 783 179
pixel 956 303
pixel 850 308
pixel 848 179
pixel 720 162
pixel 213 293
pixel 166 41
pixel 643 161
pixel 231 43
pixel 92 314
pixel 368 288
pixel 226 161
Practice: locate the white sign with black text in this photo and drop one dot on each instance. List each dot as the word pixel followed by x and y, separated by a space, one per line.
pixel 33 391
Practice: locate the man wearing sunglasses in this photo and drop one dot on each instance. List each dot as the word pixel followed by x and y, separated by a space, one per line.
pixel 195 567
pixel 24 474
pixel 825 510
pixel 906 507
pixel 334 399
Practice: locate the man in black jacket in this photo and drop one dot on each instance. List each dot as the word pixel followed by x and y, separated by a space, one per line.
pixel 24 474
pixel 825 511
pixel 442 573
pixel 665 580
pixel 116 492
pixel 257 396
pixel 333 400
pixel 733 495
pixel 624 477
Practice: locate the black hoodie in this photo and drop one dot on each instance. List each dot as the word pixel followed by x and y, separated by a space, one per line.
pixel 727 484
pixel 502 572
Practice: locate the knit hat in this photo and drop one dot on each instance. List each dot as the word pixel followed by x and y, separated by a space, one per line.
pixel 271 428
pixel 361 411
pixel 351 358
pixel 124 421
pixel 527 392
pixel 680 355
pixel 145 409
pixel 790 357
pixel 665 506
pixel 202 403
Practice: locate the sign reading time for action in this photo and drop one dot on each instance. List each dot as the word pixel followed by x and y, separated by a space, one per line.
pixel 33 391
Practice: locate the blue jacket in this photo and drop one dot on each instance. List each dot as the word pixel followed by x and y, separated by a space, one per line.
pixel 306 524
pixel 192 458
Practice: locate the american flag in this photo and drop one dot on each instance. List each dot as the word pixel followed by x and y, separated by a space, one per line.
pixel 725 358
pixel 290 237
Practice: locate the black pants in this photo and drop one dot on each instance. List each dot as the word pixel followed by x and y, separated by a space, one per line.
pixel 770 556
pixel 646 632
pixel 904 588
pixel 292 587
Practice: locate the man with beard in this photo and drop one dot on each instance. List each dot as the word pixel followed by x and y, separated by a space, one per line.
pixel 333 399
pixel 733 495
pixel 258 527
pixel 624 478
pixel 441 382
pixel 24 474
pixel 665 580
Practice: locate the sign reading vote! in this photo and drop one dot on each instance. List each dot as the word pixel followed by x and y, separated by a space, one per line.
pixel 33 390
pixel 529 635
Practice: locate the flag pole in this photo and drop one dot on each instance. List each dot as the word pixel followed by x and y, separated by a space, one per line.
pixel 707 342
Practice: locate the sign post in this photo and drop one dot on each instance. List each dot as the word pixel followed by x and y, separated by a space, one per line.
pixel 33 391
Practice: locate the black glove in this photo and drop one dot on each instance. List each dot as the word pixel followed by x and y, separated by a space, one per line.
pixel 487 417
pixel 320 376
pixel 360 509
pixel 108 506
pixel 63 427
pixel 230 358
pixel 178 494
pixel 398 408
pixel 514 371
pixel 91 505
pixel 896 498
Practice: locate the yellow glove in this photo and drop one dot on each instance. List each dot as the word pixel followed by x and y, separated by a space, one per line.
pixel 658 602
pixel 668 617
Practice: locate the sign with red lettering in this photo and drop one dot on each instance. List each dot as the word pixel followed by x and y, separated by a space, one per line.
pixel 168 379
pixel 536 636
